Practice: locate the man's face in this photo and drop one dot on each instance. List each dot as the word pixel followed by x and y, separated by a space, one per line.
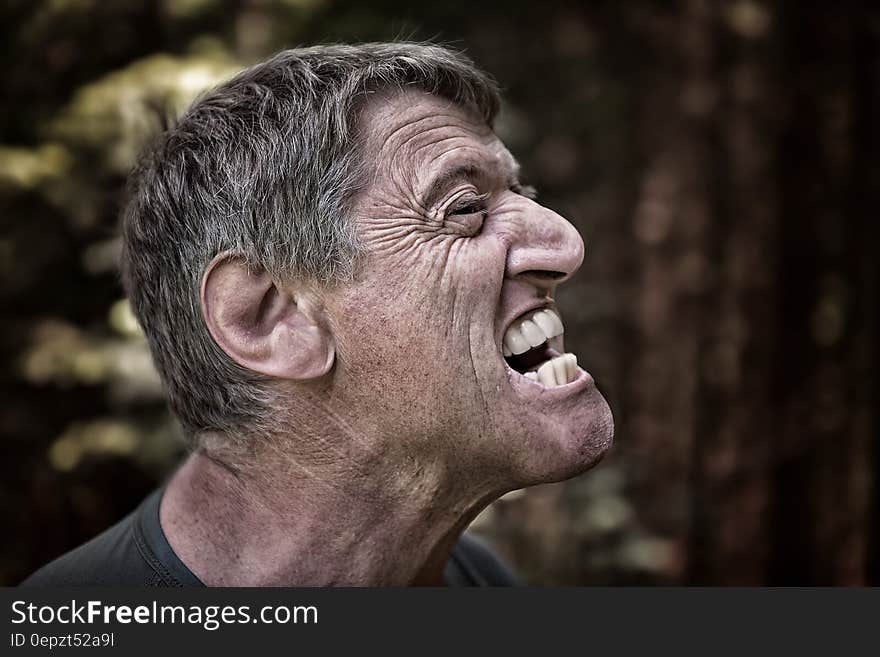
pixel 457 259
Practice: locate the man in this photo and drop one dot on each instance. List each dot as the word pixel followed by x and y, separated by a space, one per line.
pixel 349 295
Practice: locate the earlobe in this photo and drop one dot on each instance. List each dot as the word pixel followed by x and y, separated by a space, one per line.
pixel 263 326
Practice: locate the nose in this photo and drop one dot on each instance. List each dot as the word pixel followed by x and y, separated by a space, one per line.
pixel 546 250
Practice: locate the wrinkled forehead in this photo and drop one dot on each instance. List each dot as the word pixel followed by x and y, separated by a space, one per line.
pixel 411 137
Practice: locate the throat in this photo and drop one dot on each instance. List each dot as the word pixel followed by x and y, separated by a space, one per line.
pixel 240 538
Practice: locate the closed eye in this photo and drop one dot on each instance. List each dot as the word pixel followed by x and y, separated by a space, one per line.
pixel 473 208
pixel 469 205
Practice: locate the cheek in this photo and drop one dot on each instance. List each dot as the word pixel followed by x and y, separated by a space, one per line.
pixel 392 333
pixel 475 279
pixel 446 279
pixel 416 347
pixel 401 373
pixel 430 304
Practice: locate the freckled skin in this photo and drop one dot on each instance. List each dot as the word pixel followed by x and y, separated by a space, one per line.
pixel 419 424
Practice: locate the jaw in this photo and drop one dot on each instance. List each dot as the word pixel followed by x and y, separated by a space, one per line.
pixel 564 431
pixel 551 433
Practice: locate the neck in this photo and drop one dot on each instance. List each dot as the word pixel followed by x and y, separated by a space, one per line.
pixel 319 525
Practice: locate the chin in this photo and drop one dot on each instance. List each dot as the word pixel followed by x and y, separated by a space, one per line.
pixel 564 444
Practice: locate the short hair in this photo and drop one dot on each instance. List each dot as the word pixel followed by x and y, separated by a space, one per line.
pixel 265 166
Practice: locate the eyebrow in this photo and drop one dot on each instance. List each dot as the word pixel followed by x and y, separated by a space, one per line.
pixel 461 172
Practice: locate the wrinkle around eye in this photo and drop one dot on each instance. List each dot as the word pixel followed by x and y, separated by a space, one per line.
pixel 416 256
pixel 399 236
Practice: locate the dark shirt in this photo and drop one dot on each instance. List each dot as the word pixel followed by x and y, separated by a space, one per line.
pixel 135 552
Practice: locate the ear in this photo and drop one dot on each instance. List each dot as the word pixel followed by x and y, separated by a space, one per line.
pixel 262 327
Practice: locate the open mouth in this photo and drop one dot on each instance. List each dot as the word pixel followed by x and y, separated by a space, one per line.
pixel 527 349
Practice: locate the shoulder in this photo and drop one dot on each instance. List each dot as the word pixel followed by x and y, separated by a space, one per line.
pixel 474 563
pixel 114 557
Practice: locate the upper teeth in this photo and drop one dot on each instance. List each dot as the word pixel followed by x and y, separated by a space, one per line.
pixel 533 331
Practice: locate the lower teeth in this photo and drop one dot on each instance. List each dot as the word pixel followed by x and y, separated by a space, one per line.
pixel 555 372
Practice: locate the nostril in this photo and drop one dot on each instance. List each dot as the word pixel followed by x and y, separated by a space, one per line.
pixel 543 275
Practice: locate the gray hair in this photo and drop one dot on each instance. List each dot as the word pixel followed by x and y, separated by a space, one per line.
pixel 264 166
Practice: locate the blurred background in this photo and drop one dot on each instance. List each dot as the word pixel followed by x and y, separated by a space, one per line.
pixel 721 161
